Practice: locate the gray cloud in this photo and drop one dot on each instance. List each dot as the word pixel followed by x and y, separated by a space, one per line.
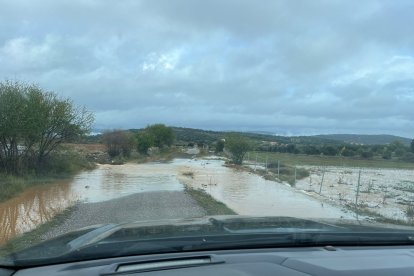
pixel 291 67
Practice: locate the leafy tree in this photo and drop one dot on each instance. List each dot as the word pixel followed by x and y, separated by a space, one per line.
pixel 400 151
pixel 348 152
pixel 237 145
pixel 387 154
pixel 367 154
pixel 219 146
pixel 33 123
pixel 144 142
pixel 408 157
pixel 161 135
pixel 311 150
pixel 329 150
pixel 119 142
pixel 290 148
pixel 412 146
pixel 395 145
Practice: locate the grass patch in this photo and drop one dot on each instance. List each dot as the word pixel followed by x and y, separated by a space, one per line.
pixel 363 211
pixel 63 165
pixel 208 203
pixel 318 160
pixel 34 236
pixel 189 174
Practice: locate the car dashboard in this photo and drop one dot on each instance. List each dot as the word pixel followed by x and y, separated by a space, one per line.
pixel 327 260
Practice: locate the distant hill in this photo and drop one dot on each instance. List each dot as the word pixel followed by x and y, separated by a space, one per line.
pixel 364 139
pixel 208 136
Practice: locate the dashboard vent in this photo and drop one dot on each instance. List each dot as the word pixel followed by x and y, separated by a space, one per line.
pixel 165 264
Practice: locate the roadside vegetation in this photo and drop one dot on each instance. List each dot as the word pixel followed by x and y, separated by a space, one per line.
pixel 34 124
pixel 208 203
pixel 153 142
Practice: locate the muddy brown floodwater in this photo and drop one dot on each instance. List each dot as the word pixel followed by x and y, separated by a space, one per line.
pixel 245 193
pixel 41 203
pixel 250 194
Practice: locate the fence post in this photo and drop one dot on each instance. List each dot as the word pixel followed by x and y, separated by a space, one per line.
pixel 255 164
pixel 278 168
pixel 323 177
pixel 357 192
pixel 295 177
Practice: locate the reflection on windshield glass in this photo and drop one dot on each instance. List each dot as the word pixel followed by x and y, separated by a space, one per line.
pixel 142 111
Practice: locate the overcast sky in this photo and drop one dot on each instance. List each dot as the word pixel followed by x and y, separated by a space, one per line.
pixel 288 67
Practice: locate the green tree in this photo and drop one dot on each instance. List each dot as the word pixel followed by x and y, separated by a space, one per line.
pixel 144 142
pixel 33 123
pixel 387 154
pixel 329 150
pixel 367 154
pixel 161 135
pixel 119 142
pixel 311 150
pixel 237 145
pixel 412 146
pixel 348 152
pixel 219 146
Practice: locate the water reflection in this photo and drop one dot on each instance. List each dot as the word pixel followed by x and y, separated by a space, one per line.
pixel 33 207
pixel 246 193
pixel 109 182
pixel 41 203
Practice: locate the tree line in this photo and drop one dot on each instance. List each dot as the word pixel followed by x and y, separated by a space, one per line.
pixel 395 149
pixel 121 143
pixel 33 125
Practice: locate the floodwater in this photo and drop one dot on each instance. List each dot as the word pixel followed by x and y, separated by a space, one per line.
pixel 41 203
pixel 250 194
pixel 245 193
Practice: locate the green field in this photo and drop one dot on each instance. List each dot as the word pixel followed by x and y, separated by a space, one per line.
pixel 317 160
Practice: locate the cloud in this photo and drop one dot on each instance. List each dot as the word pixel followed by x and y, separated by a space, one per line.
pixel 283 66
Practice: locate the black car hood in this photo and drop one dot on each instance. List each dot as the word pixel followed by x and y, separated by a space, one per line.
pixel 147 233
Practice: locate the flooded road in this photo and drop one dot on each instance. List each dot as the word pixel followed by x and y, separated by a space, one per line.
pixel 41 203
pixel 245 193
pixel 250 194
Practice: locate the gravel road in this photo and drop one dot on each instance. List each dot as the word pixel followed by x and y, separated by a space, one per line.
pixel 140 206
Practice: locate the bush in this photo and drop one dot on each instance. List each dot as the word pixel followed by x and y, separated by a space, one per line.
pixel 329 150
pixel 219 146
pixel 66 163
pixel 409 212
pixel 367 154
pixel 387 154
pixel 408 157
pixel 237 145
pixel 119 142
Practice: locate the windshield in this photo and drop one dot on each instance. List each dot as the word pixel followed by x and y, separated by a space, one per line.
pixel 134 127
